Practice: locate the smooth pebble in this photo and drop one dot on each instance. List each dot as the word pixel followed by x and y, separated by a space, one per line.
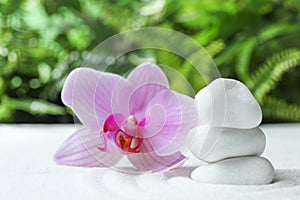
pixel 228 103
pixel 236 171
pixel 212 144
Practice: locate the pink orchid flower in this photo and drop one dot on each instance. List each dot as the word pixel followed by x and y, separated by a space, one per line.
pixel 139 117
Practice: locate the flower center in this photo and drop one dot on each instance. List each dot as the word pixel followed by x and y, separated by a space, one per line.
pixel 128 143
pixel 125 134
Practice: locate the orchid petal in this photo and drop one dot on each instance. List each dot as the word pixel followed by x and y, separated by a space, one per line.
pixel 120 98
pixel 110 142
pixel 155 120
pixel 148 73
pixel 82 149
pixel 143 83
pixel 189 120
pixel 140 98
pixel 145 161
pixel 89 94
pixel 172 127
pixel 113 122
pixel 164 110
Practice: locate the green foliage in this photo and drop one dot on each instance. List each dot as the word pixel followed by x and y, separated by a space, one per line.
pixel 265 79
pixel 41 41
pixel 270 73
pixel 280 109
pixel 32 106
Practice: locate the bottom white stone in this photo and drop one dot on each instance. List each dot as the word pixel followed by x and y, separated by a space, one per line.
pixel 236 171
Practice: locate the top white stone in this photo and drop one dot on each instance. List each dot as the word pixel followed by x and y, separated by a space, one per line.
pixel 228 103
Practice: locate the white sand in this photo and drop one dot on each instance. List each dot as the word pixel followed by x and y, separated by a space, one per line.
pixel 28 172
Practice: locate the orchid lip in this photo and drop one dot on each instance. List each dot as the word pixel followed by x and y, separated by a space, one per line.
pixel 112 132
pixel 128 143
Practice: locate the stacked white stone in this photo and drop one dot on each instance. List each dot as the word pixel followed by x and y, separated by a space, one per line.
pixel 230 141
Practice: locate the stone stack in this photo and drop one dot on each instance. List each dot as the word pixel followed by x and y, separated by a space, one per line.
pixel 230 141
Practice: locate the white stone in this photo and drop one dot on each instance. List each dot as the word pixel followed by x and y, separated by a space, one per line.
pixel 228 103
pixel 236 171
pixel 212 144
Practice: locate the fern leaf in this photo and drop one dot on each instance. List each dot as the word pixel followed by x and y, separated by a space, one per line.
pixel 280 109
pixel 244 57
pixel 275 30
pixel 269 74
pixel 227 55
pixel 215 47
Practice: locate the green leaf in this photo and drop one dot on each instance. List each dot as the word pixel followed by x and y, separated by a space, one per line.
pixel 34 106
pixel 275 30
pixel 44 71
pixel 2 86
pixel 207 35
pixel 244 57
pixel 274 108
pixel 215 47
pixel 268 75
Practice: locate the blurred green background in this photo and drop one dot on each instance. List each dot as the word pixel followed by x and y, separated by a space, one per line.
pixel 41 41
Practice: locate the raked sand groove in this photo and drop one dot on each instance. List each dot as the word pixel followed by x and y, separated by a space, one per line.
pixel 112 184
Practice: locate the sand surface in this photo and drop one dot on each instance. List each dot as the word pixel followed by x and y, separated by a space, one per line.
pixel 27 171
